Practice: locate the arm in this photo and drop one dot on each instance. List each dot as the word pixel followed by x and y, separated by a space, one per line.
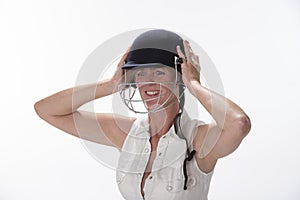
pixel 61 111
pixel 221 138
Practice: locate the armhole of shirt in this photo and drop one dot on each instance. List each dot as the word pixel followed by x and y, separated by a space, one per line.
pixel 199 170
pixel 200 123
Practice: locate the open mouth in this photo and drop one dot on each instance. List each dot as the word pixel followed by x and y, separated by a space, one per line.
pixel 152 93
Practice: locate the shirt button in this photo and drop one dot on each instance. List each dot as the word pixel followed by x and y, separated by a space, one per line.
pixel 119 180
pixel 146 150
pixel 164 137
pixel 169 188
pixel 191 181
pixel 160 153
pixel 150 177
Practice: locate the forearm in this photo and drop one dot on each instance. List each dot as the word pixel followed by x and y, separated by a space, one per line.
pixel 67 101
pixel 226 113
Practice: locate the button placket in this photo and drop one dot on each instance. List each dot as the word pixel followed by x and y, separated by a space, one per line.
pixel 161 153
pixel 149 184
pixel 159 158
pixel 142 155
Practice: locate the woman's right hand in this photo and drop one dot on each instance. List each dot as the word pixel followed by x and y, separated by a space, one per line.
pixel 117 78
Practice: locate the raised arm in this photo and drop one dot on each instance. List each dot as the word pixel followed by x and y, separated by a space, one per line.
pixel 61 111
pixel 221 138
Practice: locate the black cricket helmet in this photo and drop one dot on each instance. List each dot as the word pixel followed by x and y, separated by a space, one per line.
pixel 154 48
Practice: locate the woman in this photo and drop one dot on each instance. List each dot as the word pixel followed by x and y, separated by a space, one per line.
pixel 165 154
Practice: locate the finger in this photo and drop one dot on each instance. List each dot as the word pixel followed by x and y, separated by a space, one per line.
pixel 180 53
pixel 194 59
pixel 190 50
pixel 124 57
pixel 197 57
pixel 186 49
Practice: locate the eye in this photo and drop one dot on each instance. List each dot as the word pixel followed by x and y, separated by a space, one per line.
pixel 159 73
pixel 140 73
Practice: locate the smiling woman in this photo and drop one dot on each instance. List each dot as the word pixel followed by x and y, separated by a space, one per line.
pixel 152 86
pixel 164 153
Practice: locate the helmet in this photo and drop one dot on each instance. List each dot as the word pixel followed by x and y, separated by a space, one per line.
pixel 154 48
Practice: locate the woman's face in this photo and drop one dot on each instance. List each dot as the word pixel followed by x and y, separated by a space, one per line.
pixel 157 85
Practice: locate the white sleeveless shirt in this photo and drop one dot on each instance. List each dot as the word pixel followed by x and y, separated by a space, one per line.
pixel 166 180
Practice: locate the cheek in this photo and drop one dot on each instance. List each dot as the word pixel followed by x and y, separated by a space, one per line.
pixel 140 91
pixel 170 90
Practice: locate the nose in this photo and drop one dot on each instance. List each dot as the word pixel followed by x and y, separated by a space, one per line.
pixel 151 77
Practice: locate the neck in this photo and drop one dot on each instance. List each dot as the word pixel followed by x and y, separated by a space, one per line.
pixel 161 121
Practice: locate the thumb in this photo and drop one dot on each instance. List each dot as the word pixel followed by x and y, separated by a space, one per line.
pixel 179 51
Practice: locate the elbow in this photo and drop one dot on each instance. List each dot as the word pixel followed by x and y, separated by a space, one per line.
pixel 37 108
pixel 243 125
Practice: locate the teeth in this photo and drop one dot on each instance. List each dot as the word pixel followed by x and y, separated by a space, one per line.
pixel 151 92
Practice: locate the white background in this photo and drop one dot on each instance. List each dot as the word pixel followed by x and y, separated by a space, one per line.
pixel 255 46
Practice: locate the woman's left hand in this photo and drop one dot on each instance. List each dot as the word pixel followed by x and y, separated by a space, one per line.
pixel 190 67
